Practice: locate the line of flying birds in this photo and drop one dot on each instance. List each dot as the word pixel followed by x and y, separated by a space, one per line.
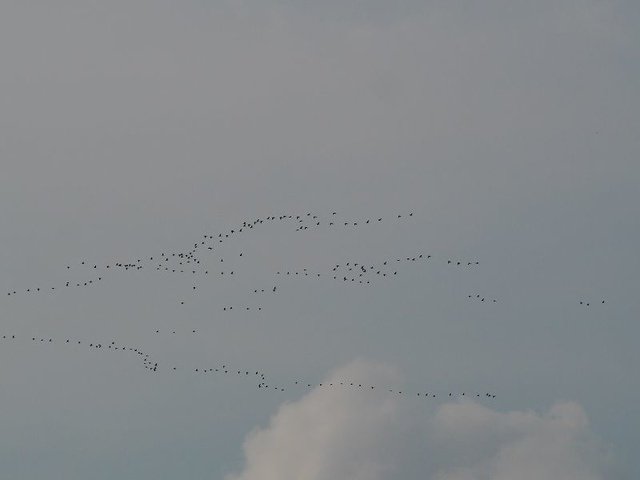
pixel 226 369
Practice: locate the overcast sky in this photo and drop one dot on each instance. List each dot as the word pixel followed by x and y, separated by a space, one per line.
pixel 508 128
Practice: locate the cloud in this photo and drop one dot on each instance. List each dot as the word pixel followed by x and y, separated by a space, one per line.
pixel 331 433
pixel 523 445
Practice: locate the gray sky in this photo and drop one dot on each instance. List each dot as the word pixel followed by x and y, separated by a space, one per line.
pixel 510 129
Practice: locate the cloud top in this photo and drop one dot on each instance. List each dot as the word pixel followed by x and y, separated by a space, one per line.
pixel 330 433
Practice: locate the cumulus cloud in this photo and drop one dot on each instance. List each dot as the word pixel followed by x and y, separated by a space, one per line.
pixel 523 445
pixel 333 434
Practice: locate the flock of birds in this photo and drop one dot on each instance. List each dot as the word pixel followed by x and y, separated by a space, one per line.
pixel 203 260
pixel 152 365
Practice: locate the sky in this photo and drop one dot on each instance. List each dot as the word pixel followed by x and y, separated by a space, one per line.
pixel 509 129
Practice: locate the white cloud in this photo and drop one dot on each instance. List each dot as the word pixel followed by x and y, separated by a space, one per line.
pixel 333 434
pixel 522 445
pixel 328 434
